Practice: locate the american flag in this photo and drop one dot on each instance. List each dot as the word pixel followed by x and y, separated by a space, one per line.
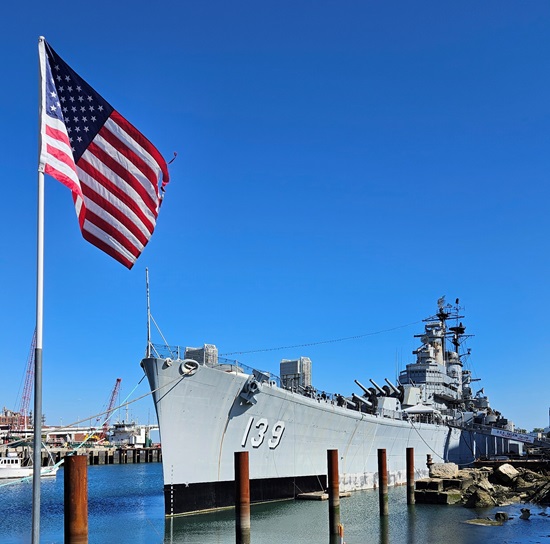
pixel 113 171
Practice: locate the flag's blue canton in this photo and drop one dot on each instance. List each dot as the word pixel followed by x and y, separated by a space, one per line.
pixel 84 111
pixel 53 106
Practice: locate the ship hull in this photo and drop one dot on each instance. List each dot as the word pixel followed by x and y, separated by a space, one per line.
pixel 204 420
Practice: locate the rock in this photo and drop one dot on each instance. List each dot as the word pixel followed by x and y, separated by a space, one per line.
pixel 482 474
pixel 505 497
pixel 468 474
pixel 483 521
pixel 501 516
pixel 525 513
pixel 520 484
pixel 483 487
pixel 486 485
pixel 444 470
pixel 479 499
pixel 450 497
pixel 530 476
pixel 506 474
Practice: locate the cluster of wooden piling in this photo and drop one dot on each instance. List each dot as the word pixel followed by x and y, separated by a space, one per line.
pixel 336 529
pixel 76 495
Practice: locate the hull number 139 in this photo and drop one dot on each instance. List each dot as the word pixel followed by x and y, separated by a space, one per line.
pixel 261 430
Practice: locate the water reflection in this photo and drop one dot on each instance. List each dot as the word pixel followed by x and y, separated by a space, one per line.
pixel 305 522
pixel 385 530
pixel 126 506
pixel 411 524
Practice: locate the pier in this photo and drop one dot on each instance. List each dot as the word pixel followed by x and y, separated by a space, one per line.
pixel 107 456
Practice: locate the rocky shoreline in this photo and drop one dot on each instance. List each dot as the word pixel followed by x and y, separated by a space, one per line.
pixel 483 487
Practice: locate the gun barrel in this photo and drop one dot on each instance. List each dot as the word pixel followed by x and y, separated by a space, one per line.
pixel 361 399
pixel 395 390
pixel 362 387
pixel 382 392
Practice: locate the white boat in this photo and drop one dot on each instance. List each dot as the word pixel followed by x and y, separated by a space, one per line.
pixel 12 467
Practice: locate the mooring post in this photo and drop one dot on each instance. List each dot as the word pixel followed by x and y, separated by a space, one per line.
pixel 76 499
pixel 383 482
pixel 242 498
pixel 333 493
pixel 385 530
pixel 410 475
pixel 429 462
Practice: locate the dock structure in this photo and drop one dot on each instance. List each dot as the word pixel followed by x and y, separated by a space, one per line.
pixel 542 442
pixel 107 456
pixel 319 495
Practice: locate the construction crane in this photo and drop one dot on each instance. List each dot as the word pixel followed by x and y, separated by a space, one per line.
pixel 27 388
pixel 110 407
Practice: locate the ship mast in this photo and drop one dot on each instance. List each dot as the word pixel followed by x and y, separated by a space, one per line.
pixel 443 315
pixel 456 333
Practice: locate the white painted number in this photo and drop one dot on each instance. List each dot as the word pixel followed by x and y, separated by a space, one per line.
pixel 278 431
pixel 246 431
pixel 262 426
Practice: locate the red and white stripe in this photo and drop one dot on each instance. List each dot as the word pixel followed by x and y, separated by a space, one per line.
pixel 57 155
pixel 119 175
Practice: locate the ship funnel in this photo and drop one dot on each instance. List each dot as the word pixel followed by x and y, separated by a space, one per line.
pixel 382 392
pixel 395 390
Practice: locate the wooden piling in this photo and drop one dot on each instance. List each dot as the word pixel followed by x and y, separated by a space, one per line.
pixel 76 499
pixel 410 475
pixel 383 482
pixel 242 498
pixel 385 530
pixel 333 492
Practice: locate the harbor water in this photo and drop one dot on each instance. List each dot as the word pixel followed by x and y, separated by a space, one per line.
pixel 125 504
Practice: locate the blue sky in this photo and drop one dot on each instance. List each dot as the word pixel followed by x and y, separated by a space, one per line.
pixel 341 165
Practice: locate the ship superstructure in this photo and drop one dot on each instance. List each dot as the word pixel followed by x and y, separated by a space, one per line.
pixel 439 374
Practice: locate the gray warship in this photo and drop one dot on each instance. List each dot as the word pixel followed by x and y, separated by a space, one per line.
pixel 208 408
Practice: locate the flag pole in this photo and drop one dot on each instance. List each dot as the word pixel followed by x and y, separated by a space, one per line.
pixel 37 441
pixel 148 352
pixel 37 417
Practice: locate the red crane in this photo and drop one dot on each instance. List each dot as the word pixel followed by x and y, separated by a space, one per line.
pixel 27 388
pixel 112 402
